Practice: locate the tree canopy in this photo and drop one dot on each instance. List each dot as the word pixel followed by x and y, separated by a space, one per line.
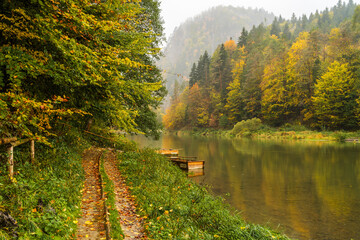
pixel 75 60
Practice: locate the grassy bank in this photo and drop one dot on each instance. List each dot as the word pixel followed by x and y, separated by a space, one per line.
pixel 45 198
pixel 261 131
pixel 173 207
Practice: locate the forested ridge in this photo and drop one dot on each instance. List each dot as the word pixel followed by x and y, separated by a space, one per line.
pixel 204 32
pixel 301 71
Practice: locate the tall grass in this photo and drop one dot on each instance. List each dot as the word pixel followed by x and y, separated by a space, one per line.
pixel 173 207
pixel 46 195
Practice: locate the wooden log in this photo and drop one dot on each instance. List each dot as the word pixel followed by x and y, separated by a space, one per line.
pixel 32 150
pixel 11 161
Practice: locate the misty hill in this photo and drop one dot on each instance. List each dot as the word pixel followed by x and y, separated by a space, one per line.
pixel 205 32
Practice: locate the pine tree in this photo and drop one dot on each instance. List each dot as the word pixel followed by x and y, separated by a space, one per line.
pixel 286 33
pixel 243 38
pixel 275 28
pixel 193 77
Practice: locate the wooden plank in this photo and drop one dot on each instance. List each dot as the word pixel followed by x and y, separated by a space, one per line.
pixel 168 152
pixel 195 165
pixel 188 158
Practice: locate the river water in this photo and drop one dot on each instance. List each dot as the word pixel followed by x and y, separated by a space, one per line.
pixel 308 190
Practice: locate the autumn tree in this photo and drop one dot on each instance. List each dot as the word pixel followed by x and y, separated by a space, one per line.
pixel 335 99
pixel 274 107
pixel 253 72
pixel 234 101
pixel 63 57
pixel 303 71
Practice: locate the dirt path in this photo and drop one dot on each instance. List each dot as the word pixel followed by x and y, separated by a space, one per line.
pixel 130 223
pixel 92 224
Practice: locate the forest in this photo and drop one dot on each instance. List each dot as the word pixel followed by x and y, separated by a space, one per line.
pixel 302 71
pixel 204 32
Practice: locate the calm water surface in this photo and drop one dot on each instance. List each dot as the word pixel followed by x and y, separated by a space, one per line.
pixel 309 190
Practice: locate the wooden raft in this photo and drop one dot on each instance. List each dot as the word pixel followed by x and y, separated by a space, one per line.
pixel 186 163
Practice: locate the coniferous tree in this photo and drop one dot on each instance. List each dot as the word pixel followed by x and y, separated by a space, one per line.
pixel 193 77
pixel 243 38
pixel 275 28
pixel 286 34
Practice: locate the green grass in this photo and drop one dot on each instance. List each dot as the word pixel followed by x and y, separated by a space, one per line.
pixel 173 207
pixel 46 196
pixel 288 132
pixel 115 227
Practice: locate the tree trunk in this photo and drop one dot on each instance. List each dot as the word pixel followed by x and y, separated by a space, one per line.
pixel 11 161
pixel 32 150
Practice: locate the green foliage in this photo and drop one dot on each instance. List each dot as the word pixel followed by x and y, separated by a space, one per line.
pixel 59 58
pixel 246 126
pixel 116 232
pixel 340 136
pixel 46 196
pixel 173 207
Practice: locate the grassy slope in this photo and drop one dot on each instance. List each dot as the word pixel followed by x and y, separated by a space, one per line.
pixel 45 199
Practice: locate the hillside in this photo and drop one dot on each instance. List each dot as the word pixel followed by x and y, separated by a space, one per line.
pixel 205 32
pixel 303 71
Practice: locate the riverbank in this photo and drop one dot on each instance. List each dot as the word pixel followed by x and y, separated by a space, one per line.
pixel 174 207
pixel 45 200
pixel 289 133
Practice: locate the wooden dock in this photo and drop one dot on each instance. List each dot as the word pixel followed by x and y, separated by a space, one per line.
pixel 191 164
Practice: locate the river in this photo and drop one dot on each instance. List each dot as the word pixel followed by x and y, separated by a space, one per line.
pixel 308 190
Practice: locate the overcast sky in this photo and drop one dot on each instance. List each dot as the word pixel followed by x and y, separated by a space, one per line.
pixel 175 12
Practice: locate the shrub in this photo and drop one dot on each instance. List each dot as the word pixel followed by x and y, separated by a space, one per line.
pixel 340 136
pixel 246 126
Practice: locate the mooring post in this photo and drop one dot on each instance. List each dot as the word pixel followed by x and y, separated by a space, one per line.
pixel 11 161
pixel 32 150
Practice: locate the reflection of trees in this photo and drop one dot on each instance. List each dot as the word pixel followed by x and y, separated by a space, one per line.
pixel 312 188
pixel 309 184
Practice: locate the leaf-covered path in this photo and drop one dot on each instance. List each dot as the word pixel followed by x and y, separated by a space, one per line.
pixel 92 223
pixel 130 222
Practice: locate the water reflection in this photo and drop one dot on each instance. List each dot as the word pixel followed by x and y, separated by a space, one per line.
pixel 310 188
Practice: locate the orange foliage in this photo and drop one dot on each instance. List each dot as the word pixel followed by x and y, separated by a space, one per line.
pixel 230 45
